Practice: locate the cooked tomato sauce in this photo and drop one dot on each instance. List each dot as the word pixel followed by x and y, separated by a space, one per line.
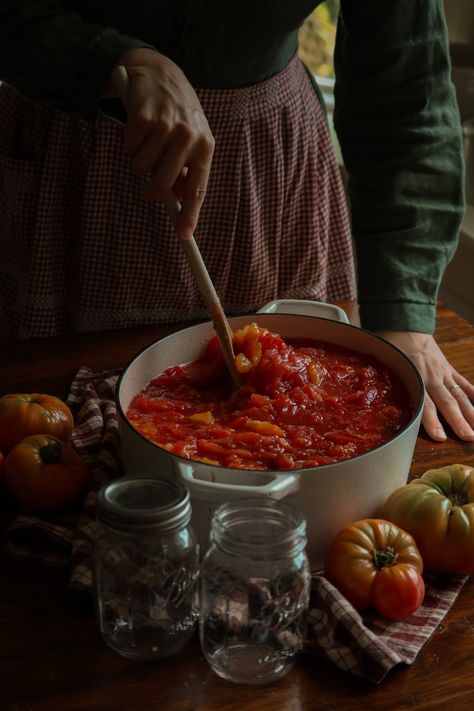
pixel 300 405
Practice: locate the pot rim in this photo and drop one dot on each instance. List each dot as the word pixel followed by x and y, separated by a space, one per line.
pixel 416 415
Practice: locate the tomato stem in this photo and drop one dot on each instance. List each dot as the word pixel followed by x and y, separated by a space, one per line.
pixel 384 558
pixel 458 495
pixel 51 453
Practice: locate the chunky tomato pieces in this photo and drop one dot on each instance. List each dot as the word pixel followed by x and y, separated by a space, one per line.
pixel 299 406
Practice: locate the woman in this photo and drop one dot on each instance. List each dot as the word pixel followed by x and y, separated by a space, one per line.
pixel 220 83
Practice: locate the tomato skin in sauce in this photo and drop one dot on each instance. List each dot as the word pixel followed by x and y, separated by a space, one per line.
pixel 302 404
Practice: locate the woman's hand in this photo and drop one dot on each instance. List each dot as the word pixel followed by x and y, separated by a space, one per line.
pixel 167 135
pixel 446 390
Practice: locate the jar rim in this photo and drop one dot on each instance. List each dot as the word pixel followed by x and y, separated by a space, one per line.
pixel 134 502
pixel 261 527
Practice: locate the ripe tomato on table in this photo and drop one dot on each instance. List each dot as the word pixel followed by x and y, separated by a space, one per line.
pixel 438 510
pixel 44 474
pixel 375 563
pixel 24 414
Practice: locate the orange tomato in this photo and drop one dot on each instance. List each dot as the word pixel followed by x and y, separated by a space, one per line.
pixel 24 414
pixel 44 474
pixel 371 562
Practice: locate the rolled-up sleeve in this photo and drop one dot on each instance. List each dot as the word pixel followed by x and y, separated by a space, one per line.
pixel 399 128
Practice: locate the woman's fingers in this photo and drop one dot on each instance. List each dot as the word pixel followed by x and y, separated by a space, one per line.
pixel 165 171
pixel 448 393
pixel 149 153
pixel 454 406
pixel 431 421
pixel 144 118
pixel 454 403
pixel 167 135
pixel 194 192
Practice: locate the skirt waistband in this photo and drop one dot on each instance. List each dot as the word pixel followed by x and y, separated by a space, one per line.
pixel 274 91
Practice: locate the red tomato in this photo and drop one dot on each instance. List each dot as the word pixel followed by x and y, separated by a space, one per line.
pixel 366 550
pixel 27 414
pixel 44 474
pixel 398 591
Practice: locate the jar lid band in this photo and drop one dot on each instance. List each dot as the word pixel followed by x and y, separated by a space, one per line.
pixel 144 503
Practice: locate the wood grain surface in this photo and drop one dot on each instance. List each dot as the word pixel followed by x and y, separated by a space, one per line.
pixel 53 659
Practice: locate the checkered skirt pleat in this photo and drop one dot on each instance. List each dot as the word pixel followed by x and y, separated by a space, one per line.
pixel 81 251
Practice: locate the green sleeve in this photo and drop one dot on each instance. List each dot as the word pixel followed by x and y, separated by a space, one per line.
pixel 398 124
pixel 50 54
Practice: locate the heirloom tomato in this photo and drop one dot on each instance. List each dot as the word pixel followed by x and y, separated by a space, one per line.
pixel 438 510
pixel 27 414
pixel 44 474
pixel 374 563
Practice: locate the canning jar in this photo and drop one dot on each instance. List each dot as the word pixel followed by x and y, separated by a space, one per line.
pixel 254 590
pixel 145 567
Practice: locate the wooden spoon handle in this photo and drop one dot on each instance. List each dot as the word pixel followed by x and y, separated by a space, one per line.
pixel 208 292
pixel 195 260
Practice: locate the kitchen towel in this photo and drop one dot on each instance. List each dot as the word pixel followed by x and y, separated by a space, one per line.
pixel 361 643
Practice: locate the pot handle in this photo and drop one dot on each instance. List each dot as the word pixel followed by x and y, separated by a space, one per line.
pixel 278 485
pixel 302 307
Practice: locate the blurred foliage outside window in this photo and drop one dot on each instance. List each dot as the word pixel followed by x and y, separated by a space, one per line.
pixel 316 41
pixel 317 37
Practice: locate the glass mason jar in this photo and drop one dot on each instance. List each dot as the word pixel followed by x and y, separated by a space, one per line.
pixel 145 567
pixel 254 590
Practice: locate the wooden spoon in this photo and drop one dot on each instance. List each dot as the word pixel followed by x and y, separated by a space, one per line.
pixel 195 260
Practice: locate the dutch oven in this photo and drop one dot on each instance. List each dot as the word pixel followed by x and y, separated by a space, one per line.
pixel 329 495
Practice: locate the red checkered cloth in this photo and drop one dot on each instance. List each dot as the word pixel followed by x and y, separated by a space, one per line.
pixel 80 250
pixel 363 644
pixel 366 644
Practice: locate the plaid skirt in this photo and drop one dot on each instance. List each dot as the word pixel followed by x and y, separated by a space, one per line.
pixel 81 251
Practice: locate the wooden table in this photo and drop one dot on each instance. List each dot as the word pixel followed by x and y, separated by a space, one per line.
pixel 53 659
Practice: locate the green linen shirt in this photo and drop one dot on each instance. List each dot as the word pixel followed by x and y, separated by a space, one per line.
pixel 395 114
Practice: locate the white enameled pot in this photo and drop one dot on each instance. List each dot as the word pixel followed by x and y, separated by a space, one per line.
pixel 330 495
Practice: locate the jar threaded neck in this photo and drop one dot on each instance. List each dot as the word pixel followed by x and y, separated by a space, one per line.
pixel 262 529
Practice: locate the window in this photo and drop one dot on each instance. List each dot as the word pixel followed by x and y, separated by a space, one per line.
pixel 317 38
